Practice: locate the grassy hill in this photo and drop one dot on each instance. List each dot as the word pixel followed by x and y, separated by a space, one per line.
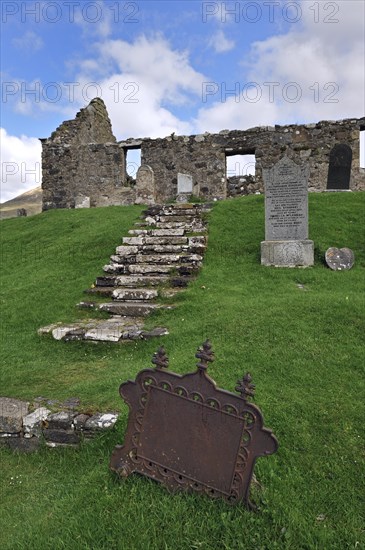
pixel 298 331
pixel 30 200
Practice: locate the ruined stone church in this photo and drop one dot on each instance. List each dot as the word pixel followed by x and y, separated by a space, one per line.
pixel 84 165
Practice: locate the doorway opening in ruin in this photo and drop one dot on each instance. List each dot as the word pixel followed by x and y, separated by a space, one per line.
pixel 132 163
pixel 362 146
pixel 240 173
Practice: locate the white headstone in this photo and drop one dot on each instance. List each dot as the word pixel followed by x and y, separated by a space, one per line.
pixel 184 184
pixel 81 201
pixel 145 185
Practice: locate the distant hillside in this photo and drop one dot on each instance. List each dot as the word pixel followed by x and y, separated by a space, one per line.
pixel 30 200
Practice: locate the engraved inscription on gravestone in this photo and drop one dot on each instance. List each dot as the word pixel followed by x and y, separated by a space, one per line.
pixel 286 201
pixel 339 169
pixel 286 216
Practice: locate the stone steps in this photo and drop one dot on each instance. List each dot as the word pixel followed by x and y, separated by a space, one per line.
pixel 157 259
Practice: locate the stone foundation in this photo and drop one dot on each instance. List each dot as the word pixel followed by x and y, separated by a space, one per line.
pixel 25 427
pixel 287 253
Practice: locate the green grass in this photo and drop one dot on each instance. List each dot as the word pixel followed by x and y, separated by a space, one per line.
pixel 304 349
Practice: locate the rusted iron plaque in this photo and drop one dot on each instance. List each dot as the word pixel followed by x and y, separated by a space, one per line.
pixel 188 434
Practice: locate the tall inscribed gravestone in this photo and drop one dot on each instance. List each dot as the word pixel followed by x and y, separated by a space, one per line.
pixel 286 216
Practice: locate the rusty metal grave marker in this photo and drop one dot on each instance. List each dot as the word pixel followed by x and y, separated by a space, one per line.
pixel 188 434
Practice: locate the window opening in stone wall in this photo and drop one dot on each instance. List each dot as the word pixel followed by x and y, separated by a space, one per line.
pixel 240 172
pixel 362 147
pixel 133 162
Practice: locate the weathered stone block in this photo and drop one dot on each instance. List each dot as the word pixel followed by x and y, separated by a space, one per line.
pixel 79 421
pixel 60 421
pixel 101 421
pixel 126 250
pixel 134 294
pixel 11 414
pixel 287 253
pixel 32 423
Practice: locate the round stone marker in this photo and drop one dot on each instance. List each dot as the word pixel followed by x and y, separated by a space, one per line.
pixel 340 259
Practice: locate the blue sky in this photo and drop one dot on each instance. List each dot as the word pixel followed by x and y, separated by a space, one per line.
pixel 173 66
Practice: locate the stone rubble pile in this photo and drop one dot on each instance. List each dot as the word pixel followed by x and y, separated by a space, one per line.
pixel 155 260
pixel 23 430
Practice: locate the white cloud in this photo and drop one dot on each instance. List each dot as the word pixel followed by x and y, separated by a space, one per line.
pixel 220 43
pixel 30 42
pixel 148 76
pixel 20 164
pixel 315 71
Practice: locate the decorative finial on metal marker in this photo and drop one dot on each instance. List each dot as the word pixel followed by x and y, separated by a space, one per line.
pixel 245 388
pixel 205 354
pixel 160 359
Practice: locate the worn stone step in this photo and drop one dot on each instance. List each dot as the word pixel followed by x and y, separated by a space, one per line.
pixel 188 228
pixel 163 259
pixel 131 281
pixel 163 248
pixel 115 329
pixel 179 219
pixel 172 249
pixel 134 241
pixel 139 232
pixel 167 232
pixel 127 250
pixel 130 309
pixel 134 294
pixel 147 269
pixel 168 258
pixel 175 210
pixel 120 269
pixel 154 268
pixel 123 259
pixel 166 240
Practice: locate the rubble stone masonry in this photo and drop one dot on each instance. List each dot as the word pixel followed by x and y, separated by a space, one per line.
pixel 83 159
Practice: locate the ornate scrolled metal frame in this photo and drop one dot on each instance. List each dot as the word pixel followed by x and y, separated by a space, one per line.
pixel 188 434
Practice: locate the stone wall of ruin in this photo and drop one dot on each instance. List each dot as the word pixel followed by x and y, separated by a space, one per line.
pixel 204 156
pixel 83 159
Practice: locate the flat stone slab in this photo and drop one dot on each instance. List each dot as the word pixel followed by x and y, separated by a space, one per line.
pixel 114 329
pixel 166 240
pixel 11 414
pixel 131 281
pixel 134 294
pixel 339 259
pixel 150 268
pixel 126 250
pixel 130 309
pixel 167 232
